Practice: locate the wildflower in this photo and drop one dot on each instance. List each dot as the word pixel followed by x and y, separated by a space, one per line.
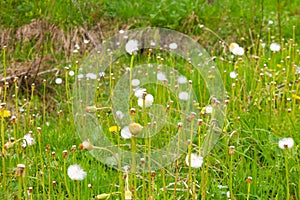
pixel 65 154
pixel 135 128
pixel 161 76
pixel 91 76
pixel 183 96
pixel 4 113
pixel 91 109
pixel 71 73
pixel 294 96
pixel 139 92
pixel 8 145
pixel 195 160
pixel 75 172
pixel 270 22
pixel 30 190
pixel 249 179
pixel 236 49
pixel 135 82
pixel 131 46
pixel 125 132
pixel 233 75
pixel 28 140
pixel 286 143
pixel 208 109
pixel 275 47
pixel 58 81
pixel 114 129
pixel 231 150
pixel 86 145
pixel 182 80
pixel 20 170
pixel 148 100
pixel 173 46
pixel 232 46
pixel 239 51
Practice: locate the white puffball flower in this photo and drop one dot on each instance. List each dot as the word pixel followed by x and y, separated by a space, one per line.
pixel 238 51
pixel 173 46
pixel 135 82
pixel 71 73
pixel 183 96
pixel 233 75
pixel 91 76
pixel 125 133
pixel 196 161
pixel 75 172
pixel 233 46
pixel 208 109
pixel 182 79
pixel 131 46
pixel 149 99
pixel 139 92
pixel 270 22
pixel 80 76
pixel 58 81
pixel 28 140
pixel 161 76
pixel 275 47
pixel 286 143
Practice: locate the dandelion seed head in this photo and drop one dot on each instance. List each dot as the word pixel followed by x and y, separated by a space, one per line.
pixel 195 160
pixel 182 80
pixel 286 143
pixel 91 76
pixel 233 75
pixel 135 82
pixel 173 45
pixel 125 132
pixel 139 92
pixel 71 73
pixel 75 172
pixel 131 46
pixel 149 99
pixel 58 81
pixel 161 76
pixel 275 47
pixel 183 96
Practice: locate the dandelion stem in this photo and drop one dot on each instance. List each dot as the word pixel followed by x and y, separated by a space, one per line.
pixel 248 191
pixel 65 179
pixel 287 175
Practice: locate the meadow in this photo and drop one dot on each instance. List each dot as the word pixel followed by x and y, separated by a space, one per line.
pixel 95 105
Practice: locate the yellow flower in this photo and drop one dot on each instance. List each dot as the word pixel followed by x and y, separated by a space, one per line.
pixel 4 113
pixel 114 129
pixel 294 96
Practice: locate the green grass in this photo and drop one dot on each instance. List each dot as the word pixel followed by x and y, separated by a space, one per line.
pixel 263 104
